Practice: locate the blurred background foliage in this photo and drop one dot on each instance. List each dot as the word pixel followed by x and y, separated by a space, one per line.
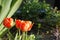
pixel 45 18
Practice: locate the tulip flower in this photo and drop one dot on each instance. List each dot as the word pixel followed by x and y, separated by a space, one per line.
pixel 18 23
pixel 24 25
pixel 8 22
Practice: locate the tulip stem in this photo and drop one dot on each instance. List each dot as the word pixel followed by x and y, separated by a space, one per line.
pixel 26 35
pixel 19 34
pixel 23 36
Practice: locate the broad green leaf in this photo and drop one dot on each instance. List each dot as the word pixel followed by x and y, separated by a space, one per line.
pixel 0 2
pixel 0 8
pixel 13 2
pixel 14 8
pixel 5 9
pixel 0 5
pixel 1 27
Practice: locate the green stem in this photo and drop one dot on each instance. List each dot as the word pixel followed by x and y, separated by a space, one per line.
pixel 23 36
pixel 26 35
pixel 19 34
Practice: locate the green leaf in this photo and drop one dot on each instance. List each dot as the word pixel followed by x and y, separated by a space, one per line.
pixel 0 2
pixel 1 27
pixel 2 32
pixel 35 0
pixel 39 25
pixel 5 9
pixel 0 8
pixel 16 37
pixel 10 36
pixel 32 37
pixel 13 2
pixel 14 8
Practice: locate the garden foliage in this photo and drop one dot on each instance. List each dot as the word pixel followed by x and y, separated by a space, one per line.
pixel 40 13
pixel 45 18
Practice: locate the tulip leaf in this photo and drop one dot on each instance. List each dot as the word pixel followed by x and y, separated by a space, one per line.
pixel 1 27
pixel 0 2
pixel 10 36
pixel 16 37
pixel 14 8
pixel 2 32
pixel 0 8
pixel 13 2
pixel 0 5
pixel 8 9
pixel 5 9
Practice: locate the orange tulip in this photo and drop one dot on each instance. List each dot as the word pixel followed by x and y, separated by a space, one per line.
pixel 8 22
pixel 27 26
pixel 24 25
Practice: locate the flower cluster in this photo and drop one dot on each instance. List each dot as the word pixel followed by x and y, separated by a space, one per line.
pixel 20 24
